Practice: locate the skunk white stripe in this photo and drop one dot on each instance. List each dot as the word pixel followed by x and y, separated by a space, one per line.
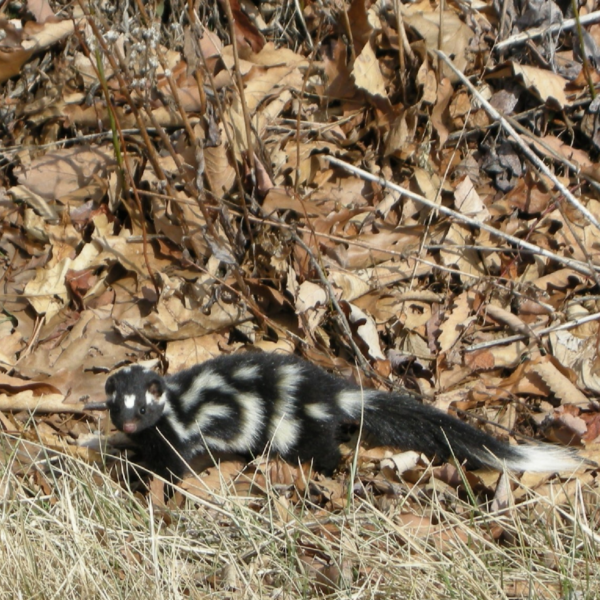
pixel 174 387
pixel 180 429
pixel 351 401
pixel 206 380
pixel 129 400
pixel 252 419
pixel 219 444
pixel 247 372
pixel 284 434
pixel 317 411
pixel 284 429
pixel 209 412
pixel 290 377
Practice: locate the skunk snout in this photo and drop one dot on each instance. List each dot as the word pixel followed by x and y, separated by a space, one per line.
pixel 130 426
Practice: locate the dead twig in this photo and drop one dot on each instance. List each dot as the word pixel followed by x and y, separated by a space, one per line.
pixel 311 61
pixel 48 403
pixel 300 16
pixel 240 85
pixel 573 264
pixel 565 25
pixel 584 59
pixel 541 332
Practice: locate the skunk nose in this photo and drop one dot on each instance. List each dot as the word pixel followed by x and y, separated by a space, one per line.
pixel 129 426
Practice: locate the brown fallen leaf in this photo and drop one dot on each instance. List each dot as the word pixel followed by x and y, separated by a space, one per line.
pixel 367 74
pixel 547 85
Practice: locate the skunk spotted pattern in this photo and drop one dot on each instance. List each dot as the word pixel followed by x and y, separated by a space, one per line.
pixel 249 403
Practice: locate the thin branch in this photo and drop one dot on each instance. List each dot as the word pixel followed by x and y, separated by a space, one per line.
pixel 541 332
pixel 573 264
pixel 305 79
pixel 401 53
pixel 48 403
pixel 403 40
pixel 440 39
pixel 240 85
pixel 584 59
pixel 300 16
pixel 565 25
pixel 502 25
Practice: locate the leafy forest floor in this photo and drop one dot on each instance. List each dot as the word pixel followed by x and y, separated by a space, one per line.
pixel 407 194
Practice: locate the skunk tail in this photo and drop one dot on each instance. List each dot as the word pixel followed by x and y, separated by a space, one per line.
pixel 403 422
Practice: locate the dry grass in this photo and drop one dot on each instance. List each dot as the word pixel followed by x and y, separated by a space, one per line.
pixel 91 538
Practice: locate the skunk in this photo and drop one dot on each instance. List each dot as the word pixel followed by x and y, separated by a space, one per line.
pixel 256 402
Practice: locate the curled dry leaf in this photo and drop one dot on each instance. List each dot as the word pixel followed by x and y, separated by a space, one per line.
pixel 398 464
pixel 560 385
pixel 30 402
pixel 438 114
pixel 506 317
pixel 552 146
pixel 173 321
pixel 457 252
pixel 39 204
pixel 456 35
pixel 182 354
pixel 48 292
pixel 310 295
pixel 366 330
pixel 503 498
pixel 414 527
pixel 352 286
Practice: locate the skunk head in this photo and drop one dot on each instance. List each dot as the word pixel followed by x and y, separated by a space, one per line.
pixel 135 398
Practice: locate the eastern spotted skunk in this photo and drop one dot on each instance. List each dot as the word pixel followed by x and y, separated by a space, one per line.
pixel 249 403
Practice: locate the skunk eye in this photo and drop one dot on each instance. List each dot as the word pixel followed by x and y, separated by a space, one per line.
pixel 143 410
pixel 114 408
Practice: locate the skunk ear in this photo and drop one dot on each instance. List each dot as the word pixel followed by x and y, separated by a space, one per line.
pixel 109 386
pixel 96 406
pixel 155 389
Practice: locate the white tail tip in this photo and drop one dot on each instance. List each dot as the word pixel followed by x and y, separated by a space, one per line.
pixel 541 459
